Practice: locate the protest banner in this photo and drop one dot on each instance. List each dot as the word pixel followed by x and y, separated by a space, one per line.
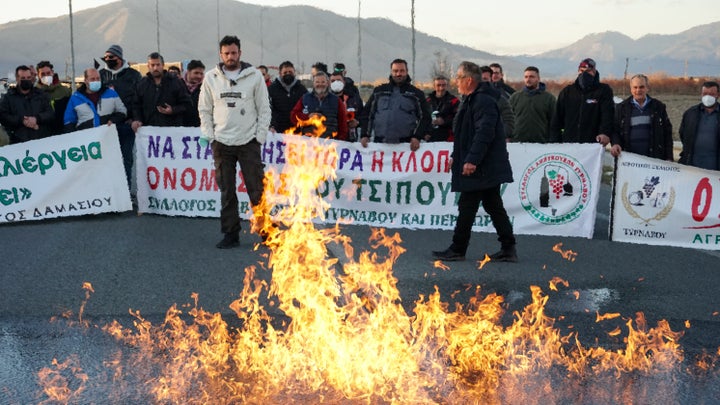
pixel 65 175
pixel 663 203
pixel 381 185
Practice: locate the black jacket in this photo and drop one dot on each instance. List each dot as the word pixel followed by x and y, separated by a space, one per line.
pixel 282 101
pixel 124 82
pixel 380 112
pixel 688 132
pixel 661 143
pixel 583 114
pixel 14 106
pixel 148 97
pixel 446 108
pixel 480 140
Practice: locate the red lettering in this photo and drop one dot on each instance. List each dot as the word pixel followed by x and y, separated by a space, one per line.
pixel 705 188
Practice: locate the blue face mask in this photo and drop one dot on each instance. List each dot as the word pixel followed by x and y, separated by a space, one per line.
pixel 94 86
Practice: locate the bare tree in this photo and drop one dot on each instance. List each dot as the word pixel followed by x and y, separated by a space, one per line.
pixel 440 66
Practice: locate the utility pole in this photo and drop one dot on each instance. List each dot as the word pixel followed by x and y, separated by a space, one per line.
pixel 157 23
pixel 72 48
pixel 412 23
pixel 359 48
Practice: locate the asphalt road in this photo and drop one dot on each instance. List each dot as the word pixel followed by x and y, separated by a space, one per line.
pixel 149 262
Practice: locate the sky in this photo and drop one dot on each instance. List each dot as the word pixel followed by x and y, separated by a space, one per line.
pixel 510 27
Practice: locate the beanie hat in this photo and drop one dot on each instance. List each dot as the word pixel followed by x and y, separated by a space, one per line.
pixel 115 50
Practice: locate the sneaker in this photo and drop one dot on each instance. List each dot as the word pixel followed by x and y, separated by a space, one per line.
pixel 505 255
pixel 448 255
pixel 230 240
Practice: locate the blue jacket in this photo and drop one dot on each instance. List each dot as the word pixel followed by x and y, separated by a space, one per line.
pixel 480 140
pixel 82 113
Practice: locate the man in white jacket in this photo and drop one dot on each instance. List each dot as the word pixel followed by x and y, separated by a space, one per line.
pixel 234 113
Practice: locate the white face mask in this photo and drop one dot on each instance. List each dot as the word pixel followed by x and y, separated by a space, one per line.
pixel 337 86
pixel 47 80
pixel 708 100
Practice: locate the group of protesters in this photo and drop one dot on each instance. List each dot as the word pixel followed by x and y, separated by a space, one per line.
pixel 236 104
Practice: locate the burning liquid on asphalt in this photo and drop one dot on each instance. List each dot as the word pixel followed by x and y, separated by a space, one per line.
pixel 346 338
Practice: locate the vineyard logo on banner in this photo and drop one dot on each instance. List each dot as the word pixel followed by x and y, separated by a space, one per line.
pixel 555 189
pixel 650 202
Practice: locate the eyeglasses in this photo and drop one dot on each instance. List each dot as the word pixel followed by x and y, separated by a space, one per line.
pixel 458 77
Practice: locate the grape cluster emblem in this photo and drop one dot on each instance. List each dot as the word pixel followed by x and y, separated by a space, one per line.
pixel 649 199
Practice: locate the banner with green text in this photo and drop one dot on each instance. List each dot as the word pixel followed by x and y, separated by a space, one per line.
pixel 61 176
pixel 555 190
pixel 663 203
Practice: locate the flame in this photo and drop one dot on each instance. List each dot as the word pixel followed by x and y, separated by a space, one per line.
pixel 483 262
pixel 557 280
pixel 337 331
pixel 438 264
pixel 64 382
pixel 566 254
pixel 604 317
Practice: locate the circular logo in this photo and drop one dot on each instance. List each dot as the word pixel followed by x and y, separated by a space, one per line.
pixel 554 189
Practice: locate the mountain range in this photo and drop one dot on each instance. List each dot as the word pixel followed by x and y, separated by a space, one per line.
pixel 189 29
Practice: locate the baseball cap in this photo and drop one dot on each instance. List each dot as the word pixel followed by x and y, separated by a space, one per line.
pixel 587 63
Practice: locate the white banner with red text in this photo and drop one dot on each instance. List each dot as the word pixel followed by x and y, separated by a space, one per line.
pixel 64 175
pixel 663 203
pixel 555 190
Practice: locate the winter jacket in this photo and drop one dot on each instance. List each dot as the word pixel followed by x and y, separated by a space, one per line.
pixel 505 90
pixel 534 110
pixel 583 114
pixel 59 96
pixel 234 113
pixel 82 113
pixel 480 140
pixel 688 132
pixel 14 106
pixel 149 96
pixel 330 107
pixel 192 118
pixel 282 100
pixel 396 113
pixel 124 81
pixel 446 107
pixel 661 142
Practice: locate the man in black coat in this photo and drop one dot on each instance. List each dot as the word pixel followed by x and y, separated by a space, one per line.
pixel 480 164
pixel 161 99
pixel 585 109
pixel 25 111
pixel 284 93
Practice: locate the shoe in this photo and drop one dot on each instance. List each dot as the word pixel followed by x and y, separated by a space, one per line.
pixel 448 255
pixel 230 240
pixel 505 255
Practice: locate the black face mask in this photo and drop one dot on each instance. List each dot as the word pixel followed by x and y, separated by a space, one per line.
pixel 288 79
pixel 112 63
pixel 585 80
pixel 26 85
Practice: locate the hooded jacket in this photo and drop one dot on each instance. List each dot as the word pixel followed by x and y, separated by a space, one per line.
pixel 581 114
pixel 82 113
pixel 124 81
pixel 480 140
pixel 234 112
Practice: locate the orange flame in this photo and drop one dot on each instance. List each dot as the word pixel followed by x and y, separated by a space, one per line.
pixel 557 280
pixel 483 262
pixel 600 318
pixel 566 254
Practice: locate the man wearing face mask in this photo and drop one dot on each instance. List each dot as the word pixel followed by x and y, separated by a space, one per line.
pixel 700 130
pixel 322 103
pixel 25 111
pixel 59 94
pixel 93 104
pixel 352 101
pixel 585 110
pixel 284 92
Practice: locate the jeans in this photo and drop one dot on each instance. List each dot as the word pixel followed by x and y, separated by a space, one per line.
pixel 225 159
pixel 468 206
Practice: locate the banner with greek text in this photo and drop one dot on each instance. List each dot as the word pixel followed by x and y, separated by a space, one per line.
pixel 663 203
pixel 554 193
pixel 65 175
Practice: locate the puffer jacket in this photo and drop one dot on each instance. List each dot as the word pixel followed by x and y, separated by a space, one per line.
pixel 14 106
pixel 82 113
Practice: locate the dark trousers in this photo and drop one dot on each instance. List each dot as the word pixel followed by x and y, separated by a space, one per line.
pixel 127 143
pixel 226 158
pixel 468 206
